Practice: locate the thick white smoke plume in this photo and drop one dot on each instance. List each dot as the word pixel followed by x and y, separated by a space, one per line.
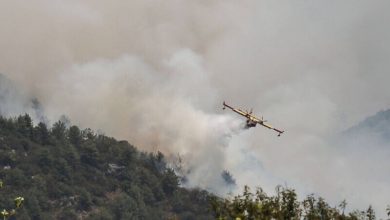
pixel 156 72
pixel 129 98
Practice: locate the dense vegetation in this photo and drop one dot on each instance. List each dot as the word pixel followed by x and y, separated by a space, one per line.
pixel 284 205
pixel 67 173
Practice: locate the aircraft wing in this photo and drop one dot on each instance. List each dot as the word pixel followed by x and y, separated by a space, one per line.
pixel 239 111
pixel 262 123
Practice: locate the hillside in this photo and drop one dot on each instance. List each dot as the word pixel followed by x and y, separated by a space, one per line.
pixel 377 125
pixel 68 173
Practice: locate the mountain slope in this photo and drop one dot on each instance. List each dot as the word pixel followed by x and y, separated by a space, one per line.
pixel 373 127
pixel 68 173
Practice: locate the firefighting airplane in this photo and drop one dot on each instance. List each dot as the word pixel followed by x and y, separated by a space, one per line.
pixel 252 121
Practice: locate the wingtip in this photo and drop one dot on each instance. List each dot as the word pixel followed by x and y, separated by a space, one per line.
pixel 223 108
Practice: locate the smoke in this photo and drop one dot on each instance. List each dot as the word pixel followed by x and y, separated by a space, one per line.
pixel 129 98
pixel 15 101
pixel 155 73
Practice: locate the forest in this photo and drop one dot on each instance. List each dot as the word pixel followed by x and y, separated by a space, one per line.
pixel 64 172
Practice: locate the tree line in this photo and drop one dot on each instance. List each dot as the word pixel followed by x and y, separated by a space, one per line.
pixel 282 206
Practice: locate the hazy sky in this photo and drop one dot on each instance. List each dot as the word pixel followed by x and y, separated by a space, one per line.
pixel 156 72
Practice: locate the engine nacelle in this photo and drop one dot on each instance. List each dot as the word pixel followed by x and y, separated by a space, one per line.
pixel 250 123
